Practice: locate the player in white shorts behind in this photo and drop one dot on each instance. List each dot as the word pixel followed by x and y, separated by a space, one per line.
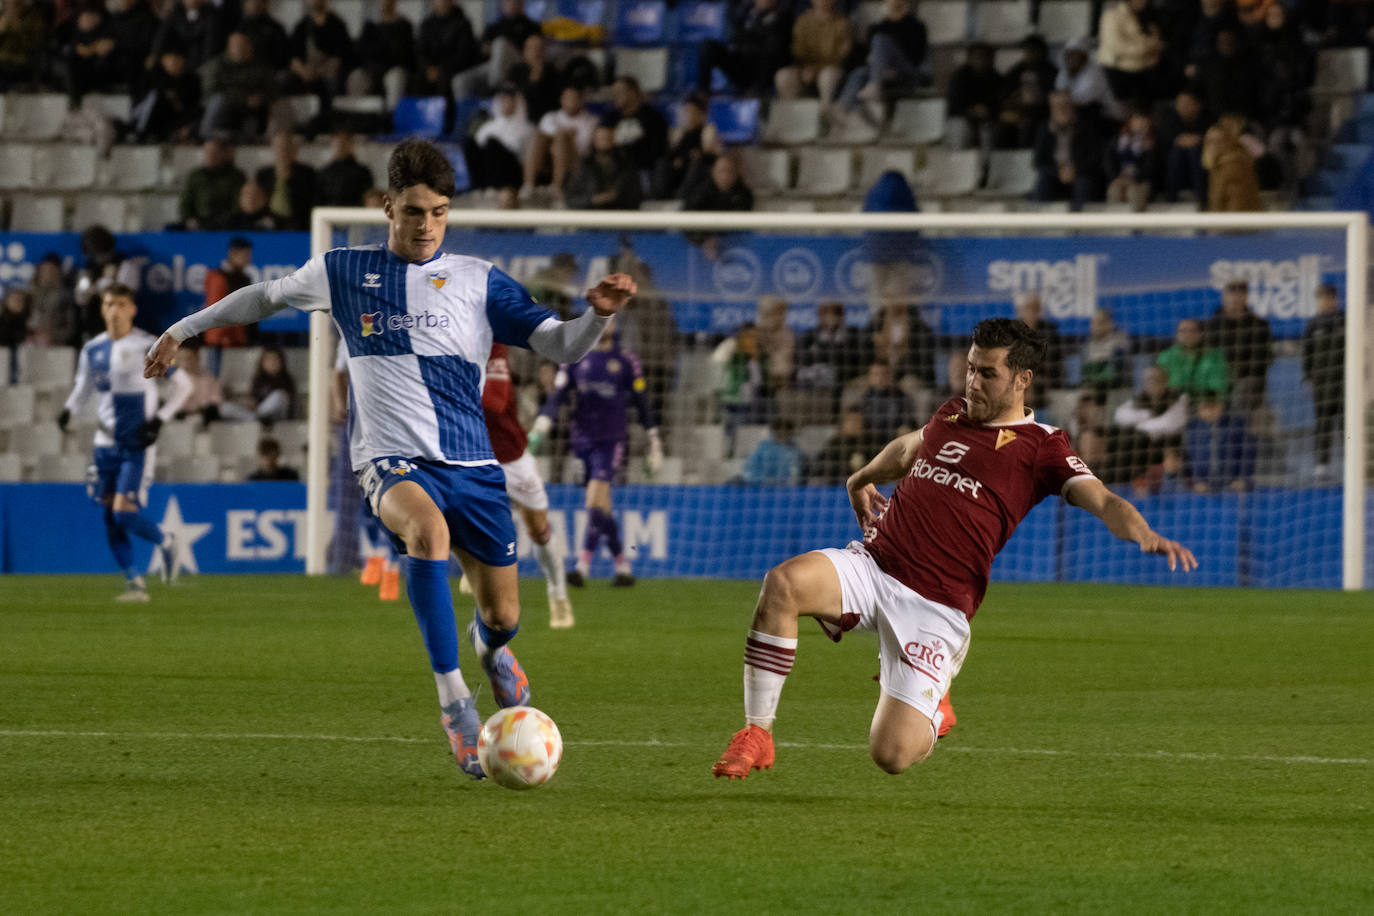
pixel 966 480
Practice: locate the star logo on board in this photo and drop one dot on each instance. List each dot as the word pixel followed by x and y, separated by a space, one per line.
pixel 186 534
pixel 438 280
pixel 1004 436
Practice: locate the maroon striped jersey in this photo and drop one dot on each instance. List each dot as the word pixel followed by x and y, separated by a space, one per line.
pixel 969 488
pixel 499 405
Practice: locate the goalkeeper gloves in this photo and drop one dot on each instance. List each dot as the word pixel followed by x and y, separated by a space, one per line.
pixel 148 434
pixel 538 433
pixel 654 459
pixel 63 419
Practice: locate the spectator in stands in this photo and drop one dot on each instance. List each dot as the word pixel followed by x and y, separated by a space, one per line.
pixel 196 28
pixel 830 354
pixel 239 91
pixel 53 321
pixel 1245 340
pixel 641 131
pixel 538 79
pixel 893 57
pixel 1232 177
pixel 386 54
pixel 646 324
pixel 760 45
pixel 343 181
pixel 694 138
pixel 1030 309
pixel 270 41
pixel 822 39
pixel 847 450
pixel 1179 133
pixel 1230 77
pixel 103 266
pixel 777 340
pixel 271 395
pixel 252 211
pixel 445 45
pixel 133 24
pixel 1157 411
pixel 563 138
pixel 207 198
pixel 889 253
pixel 166 100
pixel 555 286
pixel 954 381
pixel 14 325
pixel 1218 450
pixel 1130 46
pixel 744 394
pixel 23 38
pixel 206 396
pixel 1089 413
pixel 605 179
pixel 495 152
pixel 1068 154
pixel 503 45
pixel 289 183
pixel 321 53
pixel 1085 82
pixel 1029 83
pixel 1134 163
pixel 715 183
pixel 229 276
pixel 1196 36
pixel 89 59
pixel 1104 354
pixel 888 410
pixel 1288 67
pixel 1323 367
pixel 903 342
pixel 975 94
pixel 776 460
pixel 1193 367
pixel 1165 477
pixel 269 463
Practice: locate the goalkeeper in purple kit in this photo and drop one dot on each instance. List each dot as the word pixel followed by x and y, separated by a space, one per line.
pixel 603 385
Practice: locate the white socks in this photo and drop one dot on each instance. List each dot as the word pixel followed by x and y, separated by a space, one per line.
pixel 551 564
pixel 767 662
pixel 451 687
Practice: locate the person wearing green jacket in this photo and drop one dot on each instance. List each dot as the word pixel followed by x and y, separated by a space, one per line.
pixel 1193 368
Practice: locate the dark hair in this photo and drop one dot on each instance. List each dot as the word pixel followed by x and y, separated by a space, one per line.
pixel 1328 289
pixel 1025 346
pixel 119 290
pixel 415 162
pixel 269 446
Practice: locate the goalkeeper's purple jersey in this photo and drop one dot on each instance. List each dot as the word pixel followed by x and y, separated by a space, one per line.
pixel 603 383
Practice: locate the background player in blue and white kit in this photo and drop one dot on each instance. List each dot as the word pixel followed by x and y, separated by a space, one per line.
pixel 128 419
pixel 603 385
pixel 419 325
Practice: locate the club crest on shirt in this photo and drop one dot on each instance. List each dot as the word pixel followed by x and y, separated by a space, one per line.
pixel 951 418
pixel 1004 436
pixel 438 279
pixel 371 323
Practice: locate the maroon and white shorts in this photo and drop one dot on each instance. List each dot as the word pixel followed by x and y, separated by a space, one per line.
pixel 921 643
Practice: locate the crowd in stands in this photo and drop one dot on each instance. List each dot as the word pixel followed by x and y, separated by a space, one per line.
pixel 1205 99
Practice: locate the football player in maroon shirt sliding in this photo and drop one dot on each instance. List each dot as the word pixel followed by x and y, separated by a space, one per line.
pixel 966 480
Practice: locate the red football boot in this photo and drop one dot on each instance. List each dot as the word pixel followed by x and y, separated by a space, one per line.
pixel 750 749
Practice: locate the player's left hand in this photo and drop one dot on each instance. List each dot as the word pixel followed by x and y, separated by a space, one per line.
pixel 868 503
pixel 653 461
pixel 161 357
pixel 148 434
pixel 1178 555
pixel 611 294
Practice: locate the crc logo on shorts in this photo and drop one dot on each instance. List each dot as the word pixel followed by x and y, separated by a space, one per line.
pixel 371 323
pixel 951 452
pixel 401 468
pixel 925 659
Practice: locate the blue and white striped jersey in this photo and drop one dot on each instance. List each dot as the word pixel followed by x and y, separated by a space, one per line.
pixel 126 400
pixel 418 337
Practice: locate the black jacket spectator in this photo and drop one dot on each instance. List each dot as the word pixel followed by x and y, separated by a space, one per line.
pixel 1244 339
pixel 296 182
pixel 539 80
pixel 715 183
pixel 641 131
pixel 321 51
pixel 270 41
pixel 167 99
pixel 1068 154
pixel 605 179
pixel 89 55
pixel 760 45
pixel 513 25
pixel 1230 77
pixel 385 45
pixel 344 180
pixel 444 45
pixel 831 353
pixel 132 27
pixel 197 24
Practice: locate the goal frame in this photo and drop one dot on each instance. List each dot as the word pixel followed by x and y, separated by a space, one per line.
pixel 323 221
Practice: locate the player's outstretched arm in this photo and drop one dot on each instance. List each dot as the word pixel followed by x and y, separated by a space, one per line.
pixel 569 341
pixel 891 463
pixel 243 306
pixel 610 295
pixel 1125 521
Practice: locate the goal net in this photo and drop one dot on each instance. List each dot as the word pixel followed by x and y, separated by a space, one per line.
pixel 1211 368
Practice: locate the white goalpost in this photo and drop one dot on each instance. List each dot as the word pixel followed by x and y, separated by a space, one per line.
pixel 992 227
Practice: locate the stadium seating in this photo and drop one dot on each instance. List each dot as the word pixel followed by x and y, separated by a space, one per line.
pixel 875 160
pixel 947 21
pixel 823 172
pixel 66 167
pixel 35 116
pixel 647 65
pixel 917 121
pixel 16 165
pixel 132 168
pixel 38 213
pixel 793 122
pixel 1062 21
pixel 1342 70
pixel 1003 21
pixel 700 20
pixel 1011 172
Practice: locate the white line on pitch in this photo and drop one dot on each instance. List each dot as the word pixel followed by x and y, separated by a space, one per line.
pixel 955 749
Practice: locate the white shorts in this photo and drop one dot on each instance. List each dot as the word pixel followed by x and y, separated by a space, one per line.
pixel 921 643
pixel 524 486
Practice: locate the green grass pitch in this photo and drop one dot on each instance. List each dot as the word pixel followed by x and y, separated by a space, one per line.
pixel 272 745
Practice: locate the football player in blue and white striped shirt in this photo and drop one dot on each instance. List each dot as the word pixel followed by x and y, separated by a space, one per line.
pixel 128 419
pixel 418 325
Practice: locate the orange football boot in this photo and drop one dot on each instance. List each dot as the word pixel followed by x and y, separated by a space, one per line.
pixel 391 585
pixel 750 749
pixel 947 710
pixel 372 571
